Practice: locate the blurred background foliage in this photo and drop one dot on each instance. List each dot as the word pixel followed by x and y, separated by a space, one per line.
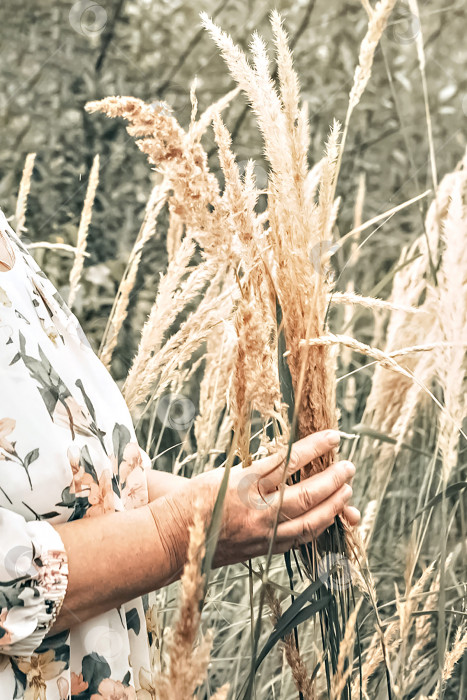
pixel 57 56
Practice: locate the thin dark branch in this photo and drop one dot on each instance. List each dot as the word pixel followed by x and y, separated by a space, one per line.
pixel 303 24
pixel 108 35
pixel 184 55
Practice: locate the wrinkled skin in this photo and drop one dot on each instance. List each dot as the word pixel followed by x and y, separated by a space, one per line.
pixel 254 497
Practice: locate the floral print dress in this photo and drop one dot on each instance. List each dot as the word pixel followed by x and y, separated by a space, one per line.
pixel 67 450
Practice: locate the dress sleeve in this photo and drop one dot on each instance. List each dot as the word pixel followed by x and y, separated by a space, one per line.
pixel 146 462
pixel 33 581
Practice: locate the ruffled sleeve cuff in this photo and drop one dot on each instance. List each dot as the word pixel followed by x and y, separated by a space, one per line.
pixel 37 589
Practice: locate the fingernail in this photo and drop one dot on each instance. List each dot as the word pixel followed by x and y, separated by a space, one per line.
pixel 333 437
pixel 349 468
pixel 347 490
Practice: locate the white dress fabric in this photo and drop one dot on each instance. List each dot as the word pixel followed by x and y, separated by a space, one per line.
pixel 67 451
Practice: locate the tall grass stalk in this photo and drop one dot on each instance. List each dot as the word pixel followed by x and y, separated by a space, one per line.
pixel 23 193
pixel 120 306
pixel 81 241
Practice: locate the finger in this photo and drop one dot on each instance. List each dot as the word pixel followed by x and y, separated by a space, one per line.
pixel 307 494
pixel 311 524
pixel 270 469
pixel 352 515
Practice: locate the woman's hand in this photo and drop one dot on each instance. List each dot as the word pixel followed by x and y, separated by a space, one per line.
pixel 253 499
pixel 115 557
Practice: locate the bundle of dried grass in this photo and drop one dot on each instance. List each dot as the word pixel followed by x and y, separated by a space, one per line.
pixel 298 233
pixel 294 231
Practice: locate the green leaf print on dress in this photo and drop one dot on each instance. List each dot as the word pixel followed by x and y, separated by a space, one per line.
pixel 51 387
pixel 8 449
pixel 59 401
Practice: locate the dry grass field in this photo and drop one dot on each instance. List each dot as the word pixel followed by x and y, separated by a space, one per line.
pixel 289 305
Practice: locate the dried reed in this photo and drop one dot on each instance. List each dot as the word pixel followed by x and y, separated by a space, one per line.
pixel 120 307
pixel 23 193
pixel 451 296
pixel 393 399
pixel 350 390
pixel 220 350
pixel 378 20
pixel 345 659
pixel 292 654
pixel 85 220
pixel 186 665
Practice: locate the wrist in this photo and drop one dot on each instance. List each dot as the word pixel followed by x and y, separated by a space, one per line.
pixel 173 515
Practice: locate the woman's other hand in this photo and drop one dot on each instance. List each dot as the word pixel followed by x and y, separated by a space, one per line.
pixel 253 499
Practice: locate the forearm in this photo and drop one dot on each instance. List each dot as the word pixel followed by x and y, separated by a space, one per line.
pixel 116 557
pixel 161 483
